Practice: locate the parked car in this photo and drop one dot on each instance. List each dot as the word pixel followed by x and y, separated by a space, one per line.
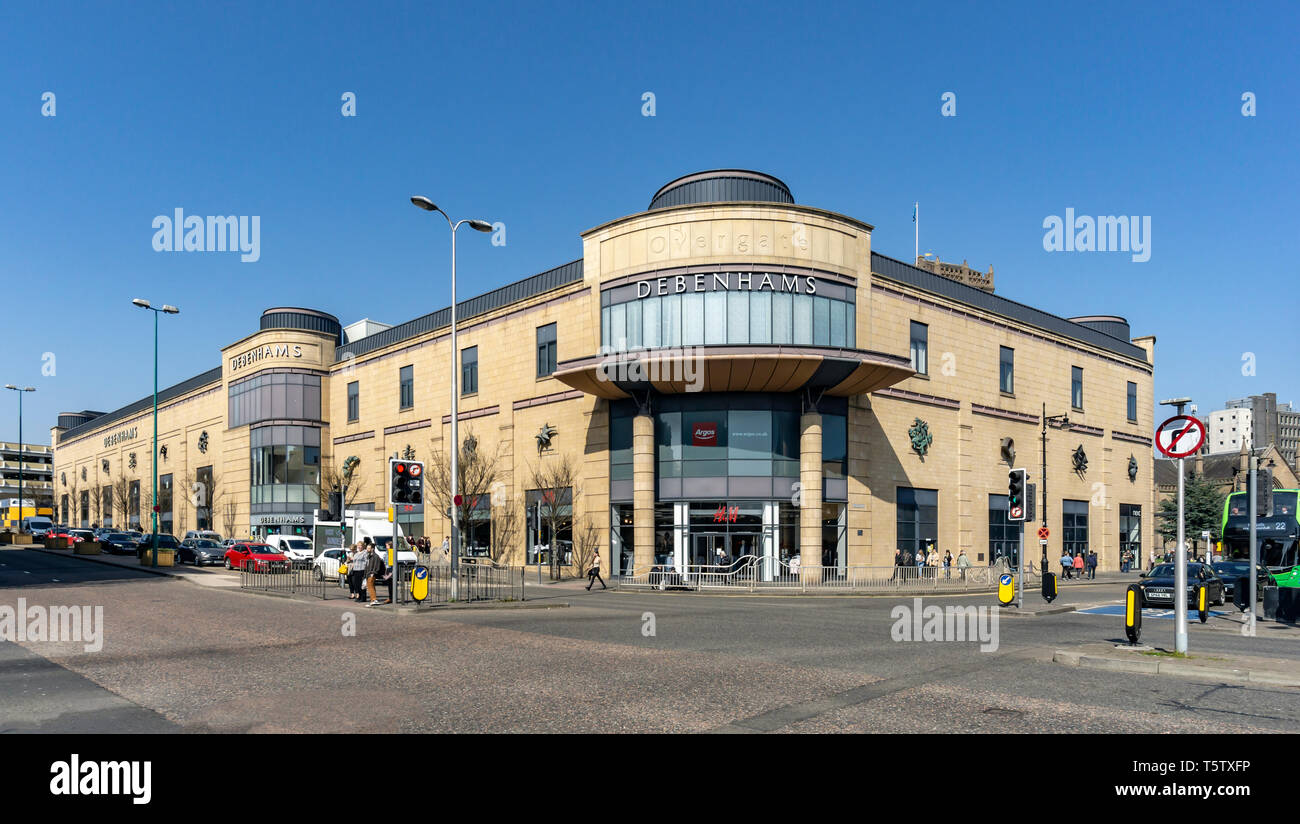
pixel 37 526
pixel 327 564
pixel 205 534
pixel 1158 585
pixel 256 557
pixel 83 535
pixel 62 532
pixel 200 552
pixel 118 543
pixel 296 547
pixel 145 544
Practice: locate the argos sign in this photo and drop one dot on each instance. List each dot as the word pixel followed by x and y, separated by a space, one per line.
pixel 704 433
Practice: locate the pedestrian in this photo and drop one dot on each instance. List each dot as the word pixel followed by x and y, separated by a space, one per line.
pixel 446 547
pixel 1092 565
pixel 963 563
pixel 1078 565
pixel 374 567
pixel 794 565
pixel 1152 555
pixel 593 574
pixel 947 564
pixel 1067 565
pixel 356 570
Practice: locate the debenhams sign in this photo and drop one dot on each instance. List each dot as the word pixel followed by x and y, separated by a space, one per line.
pixel 280 350
pixel 727 281
pixel 118 437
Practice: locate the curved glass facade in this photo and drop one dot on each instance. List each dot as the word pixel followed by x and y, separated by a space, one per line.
pixel 274 396
pixel 728 308
pixel 284 463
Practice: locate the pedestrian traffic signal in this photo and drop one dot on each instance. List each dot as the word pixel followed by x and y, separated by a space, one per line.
pixel 406 482
pixel 1016 494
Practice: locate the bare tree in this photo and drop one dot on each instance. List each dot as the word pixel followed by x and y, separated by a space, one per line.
pixel 96 499
pixel 229 512
pixel 586 543
pixel 74 503
pixel 476 472
pixel 505 523
pixel 333 477
pixel 555 482
pixel 122 499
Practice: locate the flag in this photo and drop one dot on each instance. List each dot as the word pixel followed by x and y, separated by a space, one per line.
pixel 914 205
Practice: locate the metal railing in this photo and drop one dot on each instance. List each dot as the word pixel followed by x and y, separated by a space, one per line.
pixel 478 582
pixel 286 579
pixel 758 574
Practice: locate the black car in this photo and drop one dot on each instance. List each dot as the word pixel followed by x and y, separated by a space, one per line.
pixel 145 546
pixel 115 543
pixel 200 552
pixel 1158 585
pixel 1230 571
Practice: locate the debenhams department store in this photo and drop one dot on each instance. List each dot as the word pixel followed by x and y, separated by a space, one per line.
pixel 731 374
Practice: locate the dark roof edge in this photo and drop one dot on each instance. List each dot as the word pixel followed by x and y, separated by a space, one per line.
pixel 907 273
pixel 170 393
pixel 571 272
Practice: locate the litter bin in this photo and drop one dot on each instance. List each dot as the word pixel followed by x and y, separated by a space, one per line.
pixel 1270 603
pixel 1288 605
pixel 1241 592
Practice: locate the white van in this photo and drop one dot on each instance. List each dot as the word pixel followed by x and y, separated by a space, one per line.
pixel 36 525
pixel 297 548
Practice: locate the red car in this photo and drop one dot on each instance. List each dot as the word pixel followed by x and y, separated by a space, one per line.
pixel 255 558
pixel 63 533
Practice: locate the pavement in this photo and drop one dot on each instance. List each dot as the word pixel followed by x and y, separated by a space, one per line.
pixel 1227 667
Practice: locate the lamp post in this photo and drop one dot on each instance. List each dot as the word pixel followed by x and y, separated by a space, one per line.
pixel 1180 555
pixel 171 310
pixel 1064 421
pixel 21 449
pixel 481 226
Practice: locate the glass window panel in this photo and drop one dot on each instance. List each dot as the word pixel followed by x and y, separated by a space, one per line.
pixel 750 469
pixel 852 321
pixel 822 321
pixel 311 403
pixel 920 348
pixel 1007 369
pixel 618 327
pixel 668 436
pixel 715 317
pixel 782 317
pixel 293 402
pixel 279 470
pixel 692 319
pixel 737 317
pixel 604 328
pixel 634 324
pixel 803 319
pixel 672 320
pixel 651 324
pixel 297 494
pixel 760 317
pixel 749 434
pixel 838 308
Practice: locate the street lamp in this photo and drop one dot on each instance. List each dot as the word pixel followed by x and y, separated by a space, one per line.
pixel 1180 555
pixel 1063 421
pixel 21 449
pixel 481 226
pixel 170 310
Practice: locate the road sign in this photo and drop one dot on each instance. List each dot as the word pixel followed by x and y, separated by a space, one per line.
pixel 1180 436
pixel 1043 533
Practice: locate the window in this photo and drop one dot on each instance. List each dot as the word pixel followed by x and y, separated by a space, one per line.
pixel 469 370
pixel 406 384
pixel 1007 369
pixel 84 519
pixel 165 504
pixel 1074 526
pixel 546 342
pixel 1076 387
pixel 132 506
pixel 354 400
pixel 106 506
pixel 274 395
pixel 1133 403
pixel 918 518
pixel 920 347
pixel 1130 535
pixel 1004 534
pixel 203 498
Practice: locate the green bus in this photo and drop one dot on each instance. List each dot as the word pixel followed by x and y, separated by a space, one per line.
pixel 1277 538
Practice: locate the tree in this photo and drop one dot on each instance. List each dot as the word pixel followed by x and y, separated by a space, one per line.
pixel 554 488
pixel 476 472
pixel 122 499
pixel 333 478
pixel 229 512
pixel 1202 509
pixel 73 517
pixel 586 543
pixel 505 522
pixel 200 496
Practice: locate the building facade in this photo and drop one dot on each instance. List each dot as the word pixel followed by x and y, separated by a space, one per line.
pixel 725 374
pixel 1228 430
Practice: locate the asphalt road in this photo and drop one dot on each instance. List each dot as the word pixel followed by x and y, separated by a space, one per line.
pixel 177 656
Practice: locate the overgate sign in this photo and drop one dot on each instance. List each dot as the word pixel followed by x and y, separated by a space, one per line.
pixel 1180 436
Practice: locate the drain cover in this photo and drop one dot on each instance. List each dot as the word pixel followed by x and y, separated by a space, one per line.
pixel 1002 712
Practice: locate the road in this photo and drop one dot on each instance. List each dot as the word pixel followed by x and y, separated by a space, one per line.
pixel 181 657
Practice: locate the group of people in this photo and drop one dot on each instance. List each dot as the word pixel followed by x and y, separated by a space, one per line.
pixel 929 558
pixel 364 564
pixel 1078 565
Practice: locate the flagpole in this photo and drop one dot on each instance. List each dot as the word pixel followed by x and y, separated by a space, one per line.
pixel 916 220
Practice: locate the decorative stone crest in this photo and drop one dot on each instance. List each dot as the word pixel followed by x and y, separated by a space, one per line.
pixel 63 478
pixel 104 465
pixel 544 436
pixel 130 461
pixel 83 473
pixel 921 437
pixel 162 452
pixel 1008 451
pixel 1132 468
pixel 203 441
pixel 408 454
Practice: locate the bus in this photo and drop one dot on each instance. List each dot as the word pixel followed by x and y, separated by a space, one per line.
pixel 1277 538
pixel 12 512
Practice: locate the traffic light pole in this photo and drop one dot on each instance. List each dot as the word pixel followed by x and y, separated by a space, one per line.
pixel 1254 553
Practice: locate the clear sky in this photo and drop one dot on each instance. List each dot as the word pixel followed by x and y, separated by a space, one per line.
pixel 533 117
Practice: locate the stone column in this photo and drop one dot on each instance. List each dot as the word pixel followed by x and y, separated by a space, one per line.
pixel 810 492
pixel 643 493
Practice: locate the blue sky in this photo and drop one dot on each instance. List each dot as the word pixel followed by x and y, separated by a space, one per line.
pixel 532 117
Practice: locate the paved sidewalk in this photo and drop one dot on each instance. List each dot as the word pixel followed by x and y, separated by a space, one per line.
pixel 214 577
pixel 1215 666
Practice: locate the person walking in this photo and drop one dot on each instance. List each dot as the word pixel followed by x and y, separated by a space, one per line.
pixel 963 563
pixel 1091 564
pixel 593 574
pixel 1067 565
pixel 1153 559
pixel 1078 565
pixel 947 564
pixel 374 567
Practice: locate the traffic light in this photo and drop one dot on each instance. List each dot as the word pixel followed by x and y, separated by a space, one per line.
pixel 1264 493
pixel 1016 494
pixel 406 482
